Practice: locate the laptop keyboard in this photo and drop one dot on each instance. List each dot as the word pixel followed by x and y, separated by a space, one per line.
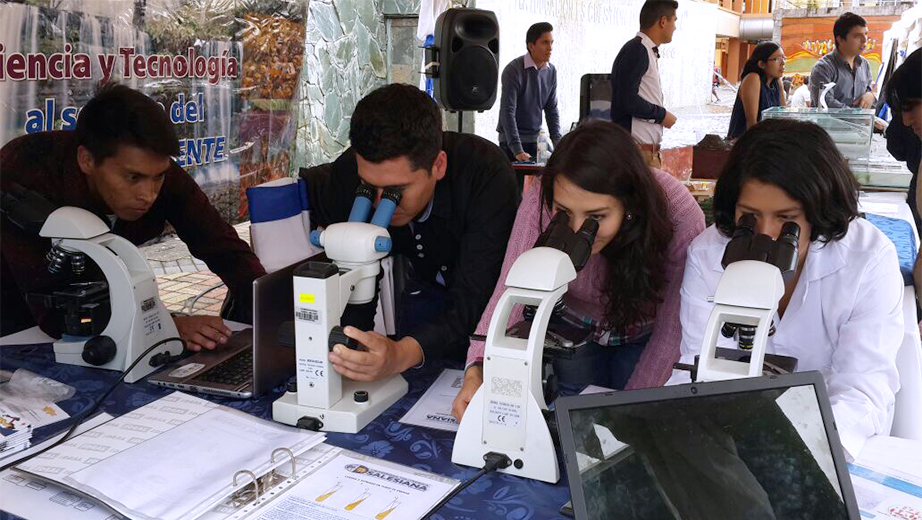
pixel 232 371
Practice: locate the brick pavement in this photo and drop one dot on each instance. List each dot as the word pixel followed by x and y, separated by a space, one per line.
pixel 185 283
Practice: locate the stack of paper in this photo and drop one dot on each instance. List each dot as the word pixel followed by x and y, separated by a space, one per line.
pixel 13 440
pixel 17 420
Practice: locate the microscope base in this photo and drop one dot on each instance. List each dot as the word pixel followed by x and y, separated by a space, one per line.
pixel 346 416
pixel 71 353
pixel 529 446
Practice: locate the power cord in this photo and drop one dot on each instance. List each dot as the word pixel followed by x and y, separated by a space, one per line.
pixel 156 360
pixel 493 461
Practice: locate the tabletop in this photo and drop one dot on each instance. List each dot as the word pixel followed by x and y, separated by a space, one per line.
pixel 494 496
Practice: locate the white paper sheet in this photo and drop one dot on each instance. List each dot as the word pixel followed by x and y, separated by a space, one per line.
pixel 36 415
pixel 887 478
pixel 174 458
pixel 879 208
pixel 433 410
pixel 89 424
pixel 33 499
pixel 593 389
pixel 30 336
pixel 353 487
pixel 173 473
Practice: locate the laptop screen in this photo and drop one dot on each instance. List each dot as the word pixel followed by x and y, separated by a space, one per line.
pixel 595 97
pixel 749 455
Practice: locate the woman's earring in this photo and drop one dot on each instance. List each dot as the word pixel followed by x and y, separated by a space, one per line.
pixel 629 216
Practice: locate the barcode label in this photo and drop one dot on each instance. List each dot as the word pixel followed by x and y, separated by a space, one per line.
pixel 311 315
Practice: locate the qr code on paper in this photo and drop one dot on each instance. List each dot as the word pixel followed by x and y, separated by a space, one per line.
pixel 507 387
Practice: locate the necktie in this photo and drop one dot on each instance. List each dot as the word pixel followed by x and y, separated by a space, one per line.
pixel 656 51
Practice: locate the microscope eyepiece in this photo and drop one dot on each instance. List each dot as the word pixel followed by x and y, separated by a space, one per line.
pixel 390 199
pixel 589 229
pixel 746 225
pixel 790 232
pixel 365 190
pixel 554 235
pixel 581 244
pixel 361 207
pixel 393 194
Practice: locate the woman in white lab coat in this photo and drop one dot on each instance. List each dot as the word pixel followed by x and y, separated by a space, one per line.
pixel 841 312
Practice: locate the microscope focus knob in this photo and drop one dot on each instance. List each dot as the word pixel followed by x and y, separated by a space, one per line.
pixel 338 337
pixel 99 350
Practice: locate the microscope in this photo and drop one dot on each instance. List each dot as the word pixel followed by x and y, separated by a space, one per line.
pixel 755 271
pixel 323 400
pixel 107 324
pixel 505 414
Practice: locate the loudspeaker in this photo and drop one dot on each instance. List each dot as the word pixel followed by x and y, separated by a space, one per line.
pixel 467 48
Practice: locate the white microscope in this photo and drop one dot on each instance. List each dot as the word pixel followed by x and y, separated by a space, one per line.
pixel 505 415
pixel 745 303
pixel 324 400
pixel 129 300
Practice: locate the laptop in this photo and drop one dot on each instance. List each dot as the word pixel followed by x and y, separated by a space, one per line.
pixel 254 360
pixel 753 449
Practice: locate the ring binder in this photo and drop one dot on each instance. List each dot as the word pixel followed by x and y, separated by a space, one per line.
pixel 195 423
pixel 294 466
pixel 243 496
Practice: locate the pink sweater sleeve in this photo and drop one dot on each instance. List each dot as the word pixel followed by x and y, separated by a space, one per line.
pixel 525 232
pixel 662 350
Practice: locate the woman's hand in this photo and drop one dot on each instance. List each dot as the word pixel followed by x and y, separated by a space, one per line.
pixel 473 378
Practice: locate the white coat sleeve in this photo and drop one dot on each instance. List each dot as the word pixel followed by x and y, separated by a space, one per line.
pixel 693 314
pixel 862 380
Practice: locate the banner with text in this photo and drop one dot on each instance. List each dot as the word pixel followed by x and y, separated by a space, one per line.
pixel 225 72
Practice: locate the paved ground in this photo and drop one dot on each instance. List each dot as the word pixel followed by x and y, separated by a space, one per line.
pixel 185 282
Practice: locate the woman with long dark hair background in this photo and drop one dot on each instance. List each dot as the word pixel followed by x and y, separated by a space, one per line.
pixel 760 88
pixel 627 295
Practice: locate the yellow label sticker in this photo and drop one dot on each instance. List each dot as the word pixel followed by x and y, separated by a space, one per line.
pixel 307 298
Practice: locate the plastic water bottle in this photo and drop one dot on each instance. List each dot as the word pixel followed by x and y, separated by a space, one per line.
pixel 543 153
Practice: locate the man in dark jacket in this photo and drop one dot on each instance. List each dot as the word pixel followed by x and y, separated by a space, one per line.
pixel 116 163
pixel 454 218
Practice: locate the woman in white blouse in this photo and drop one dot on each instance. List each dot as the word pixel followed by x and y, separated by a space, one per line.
pixel 841 312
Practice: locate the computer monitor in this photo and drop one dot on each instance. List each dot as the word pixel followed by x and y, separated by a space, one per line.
pixel 752 449
pixel 595 97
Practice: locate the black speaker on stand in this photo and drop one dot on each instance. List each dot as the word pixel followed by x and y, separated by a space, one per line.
pixel 466 49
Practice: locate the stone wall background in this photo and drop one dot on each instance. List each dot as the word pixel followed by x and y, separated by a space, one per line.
pixel 352 47
pixel 343 60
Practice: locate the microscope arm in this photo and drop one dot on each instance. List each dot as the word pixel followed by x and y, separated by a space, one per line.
pixel 349 282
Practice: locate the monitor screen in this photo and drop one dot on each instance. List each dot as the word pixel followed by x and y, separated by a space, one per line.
pixel 749 455
pixel 595 97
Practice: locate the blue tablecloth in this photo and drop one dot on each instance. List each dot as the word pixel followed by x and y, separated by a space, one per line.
pixel 495 496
